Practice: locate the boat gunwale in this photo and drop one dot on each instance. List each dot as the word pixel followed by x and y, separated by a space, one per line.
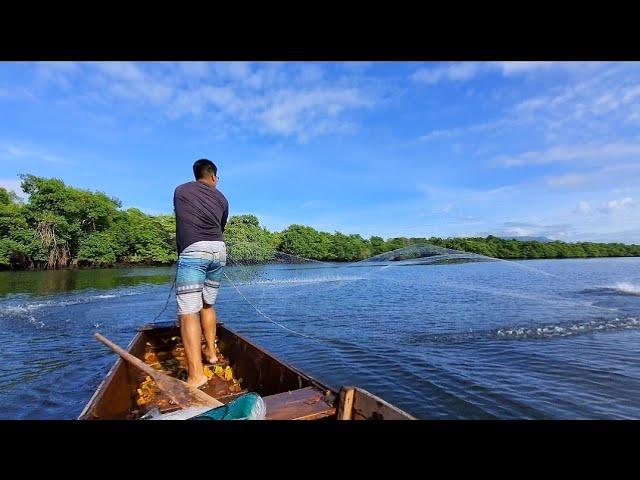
pixel 108 377
pixel 385 403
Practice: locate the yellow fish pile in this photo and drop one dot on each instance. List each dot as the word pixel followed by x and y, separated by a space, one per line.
pixel 227 375
pixel 173 363
pixel 147 391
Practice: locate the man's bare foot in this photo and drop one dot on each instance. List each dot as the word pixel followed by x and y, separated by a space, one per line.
pixel 211 358
pixel 198 381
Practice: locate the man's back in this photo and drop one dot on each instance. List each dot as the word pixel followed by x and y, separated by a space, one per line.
pixel 201 213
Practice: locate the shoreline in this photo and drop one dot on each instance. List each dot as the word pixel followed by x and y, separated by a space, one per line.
pixel 125 265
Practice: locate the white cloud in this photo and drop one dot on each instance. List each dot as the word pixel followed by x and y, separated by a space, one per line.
pixel 597 100
pixel 357 65
pixel 594 95
pixel 196 101
pixel 609 207
pixel 12 186
pixel 195 69
pixel 129 82
pixel 465 71
pixel 584 207
pixel 58 73
pixel 292 100
pixel 121 70
pixel 619 204
pixel 311 73
pixel 309 112
pixel 532 229
pixel 447 133
pixel 470 196
pixel 598 105
pixel 459 72
pixel 253 76
pixel 620 175
pixel 571 179
pixel 446 208
pixel 13 151
pixel 600 153
pixel 300 113
pixel 236 70
pixel 510 68
pixel 613 235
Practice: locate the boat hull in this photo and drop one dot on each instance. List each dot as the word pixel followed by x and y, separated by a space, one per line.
pixel 289 394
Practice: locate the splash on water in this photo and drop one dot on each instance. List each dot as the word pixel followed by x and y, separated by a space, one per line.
pixel 578 328
pixel 545 331
pixel 619 288
pixel 627 288
pixel 31 307
pixel 25 314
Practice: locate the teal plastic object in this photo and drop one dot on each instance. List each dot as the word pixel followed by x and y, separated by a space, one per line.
pixel 247 407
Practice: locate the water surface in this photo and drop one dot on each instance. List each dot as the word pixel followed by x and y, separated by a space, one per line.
pixel 477 340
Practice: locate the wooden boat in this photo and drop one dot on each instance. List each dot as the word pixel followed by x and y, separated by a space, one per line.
pixel 288 393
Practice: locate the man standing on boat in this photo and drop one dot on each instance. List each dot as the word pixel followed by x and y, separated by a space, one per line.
pixel 201 215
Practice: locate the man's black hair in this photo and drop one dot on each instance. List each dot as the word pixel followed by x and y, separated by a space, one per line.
pixel 204 167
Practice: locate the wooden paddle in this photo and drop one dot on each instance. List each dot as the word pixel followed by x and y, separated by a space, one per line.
pixel 181 393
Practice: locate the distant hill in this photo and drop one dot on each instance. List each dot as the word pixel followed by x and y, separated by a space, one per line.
pixel 525 238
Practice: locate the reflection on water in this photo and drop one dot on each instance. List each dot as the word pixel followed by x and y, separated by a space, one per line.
pixel 46 282
pixel 478 340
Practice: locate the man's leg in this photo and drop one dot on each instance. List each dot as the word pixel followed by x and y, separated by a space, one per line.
pixel 191 338
pixel 189 285
pixel 208 320
pixel 208 313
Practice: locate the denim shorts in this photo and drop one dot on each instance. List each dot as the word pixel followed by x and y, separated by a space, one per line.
pixel 199 274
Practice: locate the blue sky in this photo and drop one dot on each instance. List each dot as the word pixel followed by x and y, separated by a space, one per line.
pixel 387 148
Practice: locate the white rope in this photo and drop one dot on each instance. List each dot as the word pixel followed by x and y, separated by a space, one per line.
pixel 264 314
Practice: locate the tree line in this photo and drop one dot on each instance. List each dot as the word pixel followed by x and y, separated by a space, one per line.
pixel 61 226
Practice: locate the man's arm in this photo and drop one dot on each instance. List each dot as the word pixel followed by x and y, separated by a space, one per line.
pixel 223 221
pixel 175 214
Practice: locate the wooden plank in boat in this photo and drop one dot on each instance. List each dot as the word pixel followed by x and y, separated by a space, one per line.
pixel 303 404
pixel 168 408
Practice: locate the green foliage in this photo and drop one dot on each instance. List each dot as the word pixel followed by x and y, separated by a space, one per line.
pixel 60 226
pixel 144 238
pixel 349 247
pixel 247 242
pixel 306 242
pixel 7 247
pixel 17 240
pixel 97 249
pixel 7 197
pixel 244 221
pixel 378 245
pixel 309 243
pixel 514 249
pixel 398 242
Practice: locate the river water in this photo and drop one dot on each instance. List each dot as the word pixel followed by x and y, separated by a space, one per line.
pixel 539 339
